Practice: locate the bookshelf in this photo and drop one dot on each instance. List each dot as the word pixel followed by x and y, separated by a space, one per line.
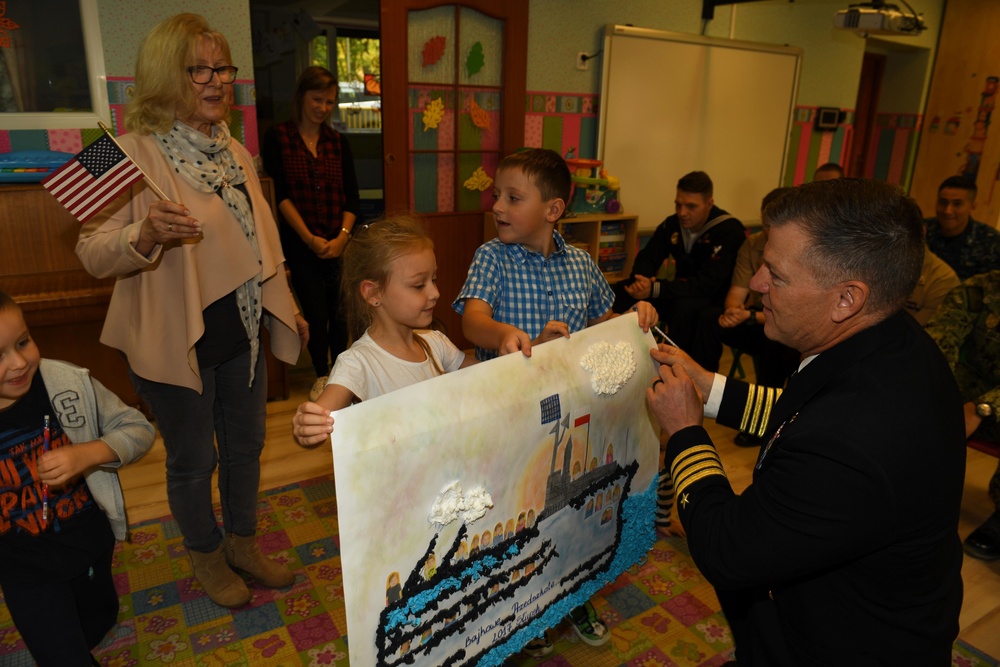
pixel 611 239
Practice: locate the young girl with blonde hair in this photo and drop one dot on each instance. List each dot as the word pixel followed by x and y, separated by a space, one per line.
pixel 389 293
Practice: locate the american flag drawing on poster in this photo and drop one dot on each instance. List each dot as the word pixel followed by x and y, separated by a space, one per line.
pixel 551 412
pixel 93 178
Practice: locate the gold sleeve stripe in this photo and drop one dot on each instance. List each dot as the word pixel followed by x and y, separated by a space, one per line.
pixel 694 477
pixel 698 467
pixel 762 409
pixel 757 410
pixel 693 464
pixel 772 398
pixel 693 455
pixel 679 468
pixel 747 409
pixel 758 404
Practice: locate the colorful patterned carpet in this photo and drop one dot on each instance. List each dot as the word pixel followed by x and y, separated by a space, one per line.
pixel 663 613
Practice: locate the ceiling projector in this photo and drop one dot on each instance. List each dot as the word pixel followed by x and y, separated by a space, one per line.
pixel 878 18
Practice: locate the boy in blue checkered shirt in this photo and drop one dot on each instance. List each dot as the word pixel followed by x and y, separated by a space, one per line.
pixel 528 286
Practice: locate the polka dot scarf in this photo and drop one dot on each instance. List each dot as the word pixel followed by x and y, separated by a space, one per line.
pixel 208 165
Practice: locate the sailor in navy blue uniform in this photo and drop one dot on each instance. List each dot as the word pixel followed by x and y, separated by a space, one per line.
pixel 844 549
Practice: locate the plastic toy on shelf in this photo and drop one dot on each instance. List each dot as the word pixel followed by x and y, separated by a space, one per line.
pixel 593 190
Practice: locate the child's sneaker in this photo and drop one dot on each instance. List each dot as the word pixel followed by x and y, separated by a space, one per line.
pixel 589 626
pixel 539 647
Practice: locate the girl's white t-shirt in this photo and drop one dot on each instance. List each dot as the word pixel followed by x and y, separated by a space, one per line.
pixel 368 371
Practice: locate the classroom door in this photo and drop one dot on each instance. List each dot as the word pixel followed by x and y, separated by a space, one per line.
pixel 453 91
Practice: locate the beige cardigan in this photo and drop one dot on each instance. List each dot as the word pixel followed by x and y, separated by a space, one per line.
pixel 155 315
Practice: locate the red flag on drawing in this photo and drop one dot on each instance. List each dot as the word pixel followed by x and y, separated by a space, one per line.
pixel 580 421
pixel 93 178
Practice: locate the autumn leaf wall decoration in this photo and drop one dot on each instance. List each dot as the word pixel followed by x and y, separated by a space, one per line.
pixel 476 59
pixel 433 50
pixel 480 118
pixel 479 181
pixel 433 114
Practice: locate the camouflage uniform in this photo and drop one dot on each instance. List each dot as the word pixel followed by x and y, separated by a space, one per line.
pixel 975 250
pixel 966 327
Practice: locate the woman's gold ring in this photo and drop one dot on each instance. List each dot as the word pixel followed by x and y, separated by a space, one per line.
pixel 170 227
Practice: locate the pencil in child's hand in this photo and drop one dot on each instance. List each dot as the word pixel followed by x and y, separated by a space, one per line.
pixel 45 487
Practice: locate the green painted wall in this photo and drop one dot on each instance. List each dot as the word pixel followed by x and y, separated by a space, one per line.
pixel 124 23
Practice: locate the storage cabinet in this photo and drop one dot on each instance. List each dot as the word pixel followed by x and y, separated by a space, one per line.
pixel 64 305
pixel 609 238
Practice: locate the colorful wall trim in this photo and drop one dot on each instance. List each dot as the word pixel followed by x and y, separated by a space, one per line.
pixel 565 121
pixel 890 156
pixel 562 122
pixel 893 150
pixel 242 124
pixel 808 147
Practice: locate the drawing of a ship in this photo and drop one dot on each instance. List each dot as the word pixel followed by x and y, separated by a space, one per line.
pixel 485 589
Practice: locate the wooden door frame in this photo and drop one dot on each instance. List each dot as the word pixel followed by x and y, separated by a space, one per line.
pixel 395 124
pixel 456 234
pixel 866 113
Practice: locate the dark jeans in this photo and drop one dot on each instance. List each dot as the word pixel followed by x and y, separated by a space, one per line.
pixel 223 426
pixel 61 621
pixel 773 362
pixel 317 286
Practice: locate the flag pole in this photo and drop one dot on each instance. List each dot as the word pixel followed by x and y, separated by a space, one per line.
pixel 156 189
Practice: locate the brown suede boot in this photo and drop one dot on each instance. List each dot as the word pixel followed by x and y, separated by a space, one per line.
pixel 243 553
pixel 221 584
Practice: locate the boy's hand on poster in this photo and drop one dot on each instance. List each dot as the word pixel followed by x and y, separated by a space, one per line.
pixel 648 316
pixel 552 330
pixel 515 340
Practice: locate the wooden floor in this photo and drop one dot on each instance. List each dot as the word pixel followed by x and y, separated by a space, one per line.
pixel 284 462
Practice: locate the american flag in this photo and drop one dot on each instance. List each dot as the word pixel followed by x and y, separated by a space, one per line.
pixel 93 178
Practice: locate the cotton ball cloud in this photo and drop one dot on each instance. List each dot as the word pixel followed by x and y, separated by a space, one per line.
pixel 452 504
pixel 610 366
pixel 477 502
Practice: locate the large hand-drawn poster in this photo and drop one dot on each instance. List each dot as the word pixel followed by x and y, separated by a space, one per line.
pixel 476 509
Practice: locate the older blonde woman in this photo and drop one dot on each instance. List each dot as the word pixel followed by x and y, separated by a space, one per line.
pixel 199 276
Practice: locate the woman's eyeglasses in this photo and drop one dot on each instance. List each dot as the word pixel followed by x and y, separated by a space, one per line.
pixel 204 73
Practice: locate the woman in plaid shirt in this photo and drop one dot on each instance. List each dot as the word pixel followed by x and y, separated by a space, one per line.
pixel 317 193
